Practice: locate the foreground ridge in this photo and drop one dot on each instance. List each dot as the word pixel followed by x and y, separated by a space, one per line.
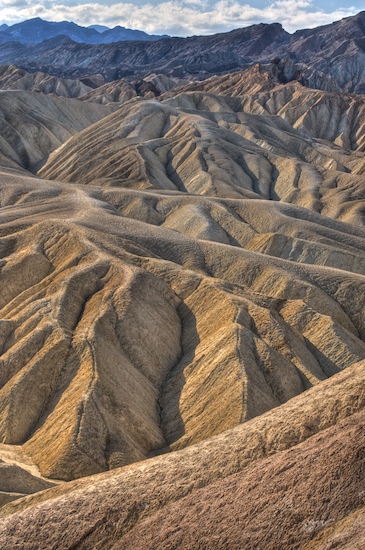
pixel 212 479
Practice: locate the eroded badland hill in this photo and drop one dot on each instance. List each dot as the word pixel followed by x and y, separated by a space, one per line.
pixel 182 326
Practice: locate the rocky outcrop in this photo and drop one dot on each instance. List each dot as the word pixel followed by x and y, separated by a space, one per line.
pixel 335 49
pixel 120 91
pixel 12 78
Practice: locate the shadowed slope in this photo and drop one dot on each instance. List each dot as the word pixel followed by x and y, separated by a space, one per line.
pixel 33 125
pixel 336 49
pixel 18 476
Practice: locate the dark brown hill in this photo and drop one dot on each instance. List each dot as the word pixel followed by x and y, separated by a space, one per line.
pixel 338 50
pixel 198 55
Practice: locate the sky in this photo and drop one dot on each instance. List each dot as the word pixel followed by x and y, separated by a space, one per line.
pixel 182 17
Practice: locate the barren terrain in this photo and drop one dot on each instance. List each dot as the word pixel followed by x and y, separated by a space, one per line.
pixel 182 328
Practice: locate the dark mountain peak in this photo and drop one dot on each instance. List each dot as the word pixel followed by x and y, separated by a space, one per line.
pixel 357 22
pixel 358 17
pixel 56 41
pixel 260 28
pixel 27 23
pixel 344 28
pixel 31 20
pixel 36 30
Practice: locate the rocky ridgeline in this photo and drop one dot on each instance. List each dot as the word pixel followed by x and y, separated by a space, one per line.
pixel 334 50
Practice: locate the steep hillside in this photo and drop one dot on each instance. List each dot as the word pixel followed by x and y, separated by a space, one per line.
pixel 32 125
pixel 301 464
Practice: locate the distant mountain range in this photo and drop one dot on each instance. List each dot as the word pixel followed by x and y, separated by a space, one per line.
pixel 336 51
pixel 35 31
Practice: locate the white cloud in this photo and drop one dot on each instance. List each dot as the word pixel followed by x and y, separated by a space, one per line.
pixel 14 4
pixel 176 17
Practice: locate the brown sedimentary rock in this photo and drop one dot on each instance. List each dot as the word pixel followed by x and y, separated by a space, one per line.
pixel 185 278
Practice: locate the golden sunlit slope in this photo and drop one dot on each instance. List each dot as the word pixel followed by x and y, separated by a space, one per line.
pixel 126 336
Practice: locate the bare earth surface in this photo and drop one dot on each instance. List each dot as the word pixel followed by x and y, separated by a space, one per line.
pixel 182 328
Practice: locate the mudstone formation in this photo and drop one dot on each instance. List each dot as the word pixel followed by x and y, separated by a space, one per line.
pixel 182 327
